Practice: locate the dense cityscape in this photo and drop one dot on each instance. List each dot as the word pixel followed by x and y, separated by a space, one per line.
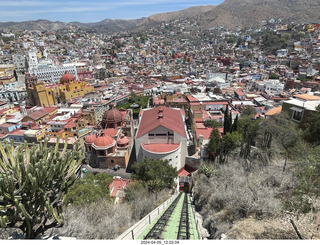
pixel 230 117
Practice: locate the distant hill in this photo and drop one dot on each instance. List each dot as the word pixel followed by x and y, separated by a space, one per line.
pixel 231 13
pixel 185 13
pixel 34 25
pixel 248 13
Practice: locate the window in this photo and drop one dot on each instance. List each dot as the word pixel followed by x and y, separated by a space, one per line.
pixel 161 134
pixel 297 115
pixel 112 161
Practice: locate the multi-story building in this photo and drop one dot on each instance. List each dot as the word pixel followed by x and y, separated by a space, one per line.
pixel 301 107
pixel 20 62
pixel 162 135
pixel 53 74
pixel 42 94
pixel 112 144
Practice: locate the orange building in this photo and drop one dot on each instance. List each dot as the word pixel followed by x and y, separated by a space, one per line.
pixel 112 144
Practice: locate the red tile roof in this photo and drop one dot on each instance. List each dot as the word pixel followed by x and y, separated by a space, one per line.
pixel 2 135
pixel 3 111
pixel 111 132
pixel 274 111
pixel 6 125
pixel 215 103
pixel 37 114
pixel 191 98
pixel 183 172
pixel 161 116
pixel 160 148
pixel 18 132
pixel 118 184
pixel 50 109
pixel 204 131
pixel 306 97
pixel 239 92
pixel 70 124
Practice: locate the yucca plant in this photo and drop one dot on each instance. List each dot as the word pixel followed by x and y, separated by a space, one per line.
pixel 33 183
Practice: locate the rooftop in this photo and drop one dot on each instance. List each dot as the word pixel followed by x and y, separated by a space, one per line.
pixel 306 97
pixel 160 148
pixel 161 116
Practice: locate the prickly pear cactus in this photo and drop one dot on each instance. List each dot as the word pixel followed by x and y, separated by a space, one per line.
pixel 33 182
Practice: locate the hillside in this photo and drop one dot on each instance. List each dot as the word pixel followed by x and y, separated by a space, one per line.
pixel 185 13
pixel 248 13
pixel 231 14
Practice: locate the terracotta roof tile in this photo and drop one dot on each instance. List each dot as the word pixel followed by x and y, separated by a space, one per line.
pixel 161 116
pixel 274 111
pixel 37 114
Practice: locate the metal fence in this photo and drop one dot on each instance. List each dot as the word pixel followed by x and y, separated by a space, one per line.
pixel 134 231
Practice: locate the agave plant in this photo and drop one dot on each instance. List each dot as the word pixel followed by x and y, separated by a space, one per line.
pixel 33 183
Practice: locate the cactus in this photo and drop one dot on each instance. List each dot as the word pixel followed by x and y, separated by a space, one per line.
pixel 33 183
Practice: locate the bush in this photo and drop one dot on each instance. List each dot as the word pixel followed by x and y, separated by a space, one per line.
pixel 89 189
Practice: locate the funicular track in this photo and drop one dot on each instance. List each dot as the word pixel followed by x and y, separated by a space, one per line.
pixel 183 232
pixel 158 228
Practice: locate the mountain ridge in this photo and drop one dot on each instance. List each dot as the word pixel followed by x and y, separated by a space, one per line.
pixel 230 13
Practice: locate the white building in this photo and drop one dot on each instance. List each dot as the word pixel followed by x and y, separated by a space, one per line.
pixel 282 53
pixel 53 74
pixel 224 76
pixel 273 86
pixel 33 60
pixel 162 135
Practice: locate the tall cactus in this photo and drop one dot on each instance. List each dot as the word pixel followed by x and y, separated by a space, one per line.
pixel 33 183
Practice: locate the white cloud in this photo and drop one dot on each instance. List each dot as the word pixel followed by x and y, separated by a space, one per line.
pixel 28 9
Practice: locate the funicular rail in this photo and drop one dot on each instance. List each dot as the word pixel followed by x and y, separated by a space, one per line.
pixel 158 228
pixel 183 232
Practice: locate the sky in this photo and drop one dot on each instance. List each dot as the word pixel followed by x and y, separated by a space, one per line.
pixel 90 11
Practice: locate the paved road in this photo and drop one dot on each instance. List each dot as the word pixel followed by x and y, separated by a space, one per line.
pixel 121 172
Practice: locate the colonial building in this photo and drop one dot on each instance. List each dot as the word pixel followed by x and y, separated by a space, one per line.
pixel 47 95
pixel 53 74
pixel 162 135
pixel 111 144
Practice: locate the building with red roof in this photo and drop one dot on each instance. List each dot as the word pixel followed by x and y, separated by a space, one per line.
pixel 112 144
pixel 117 187
pixel 162 135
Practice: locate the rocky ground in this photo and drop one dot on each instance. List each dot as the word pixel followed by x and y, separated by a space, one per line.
pixel 278 228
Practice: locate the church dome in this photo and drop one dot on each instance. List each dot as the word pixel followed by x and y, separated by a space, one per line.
pixel 90 138
pixel 104 141
pixel 112 116
pixel 67 77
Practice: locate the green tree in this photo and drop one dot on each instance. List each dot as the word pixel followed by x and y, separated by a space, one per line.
pixel 248 111
pixel 156 174
pixel 248 128
pixel 213 147
pixel 212 124
pixel 235 124
pixel 228 143
pixel 207 171
pixel 312 132
pixel 33 183
pixel 91 188
pixel 133 97
pixel 273 76
pixel 226 121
